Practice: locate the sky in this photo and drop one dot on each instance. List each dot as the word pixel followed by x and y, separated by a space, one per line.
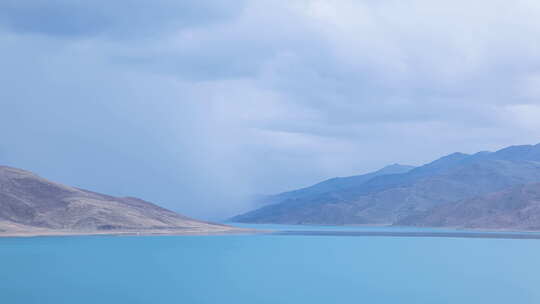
pixel 198 105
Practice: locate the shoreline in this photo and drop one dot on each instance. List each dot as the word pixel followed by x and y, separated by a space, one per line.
pixel 454 233
pixel 25 234
pixel 390 225
pixel 417 234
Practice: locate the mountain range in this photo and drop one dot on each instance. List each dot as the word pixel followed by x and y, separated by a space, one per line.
pixel 517 208
pixel 425 196
pixel 32 205
pixel 330 185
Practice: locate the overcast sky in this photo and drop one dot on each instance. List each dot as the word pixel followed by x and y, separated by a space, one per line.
pixel 195 105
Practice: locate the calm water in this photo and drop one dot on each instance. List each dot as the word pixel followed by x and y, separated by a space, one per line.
pixel 268 269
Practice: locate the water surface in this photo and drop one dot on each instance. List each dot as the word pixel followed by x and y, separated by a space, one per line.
pixel 268 269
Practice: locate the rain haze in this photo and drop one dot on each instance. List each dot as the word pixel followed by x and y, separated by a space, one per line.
pixel 198 105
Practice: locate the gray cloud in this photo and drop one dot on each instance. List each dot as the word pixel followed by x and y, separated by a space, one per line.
pixel 230 100
pixel 135 19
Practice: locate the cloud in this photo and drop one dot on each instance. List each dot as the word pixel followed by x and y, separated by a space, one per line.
pixel 134 19
pixel 197 105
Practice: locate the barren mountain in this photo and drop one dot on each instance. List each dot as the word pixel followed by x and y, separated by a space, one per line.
pixel 31 205
pixel 389 198
pixel 517 208
pixel 331 185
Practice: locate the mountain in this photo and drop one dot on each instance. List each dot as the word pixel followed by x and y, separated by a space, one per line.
pixel 517 208
pixel 330 185
pixel 387 199
pixel 31 205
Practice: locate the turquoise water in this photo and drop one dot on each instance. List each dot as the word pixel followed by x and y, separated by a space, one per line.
pixel 268 269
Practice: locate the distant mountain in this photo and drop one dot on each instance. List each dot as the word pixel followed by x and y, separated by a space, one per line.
pixel 30 204
pixel 331 185
pixel 517 208
pixel 387 199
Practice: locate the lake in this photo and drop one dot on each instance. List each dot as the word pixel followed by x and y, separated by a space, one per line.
pixel 251 269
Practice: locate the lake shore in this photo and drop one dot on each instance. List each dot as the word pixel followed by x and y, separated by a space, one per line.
pixel 231 230
pixel 186 232
pixel 427 234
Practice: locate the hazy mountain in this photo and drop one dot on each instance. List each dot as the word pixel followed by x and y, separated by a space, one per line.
pixel 386 199
pixel 516 208
pixel 330 185
pixel 30 204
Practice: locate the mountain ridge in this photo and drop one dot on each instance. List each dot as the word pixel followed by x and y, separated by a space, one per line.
pixel 32 205
pixel 388 199
pixel 516 208
pixel 332 184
